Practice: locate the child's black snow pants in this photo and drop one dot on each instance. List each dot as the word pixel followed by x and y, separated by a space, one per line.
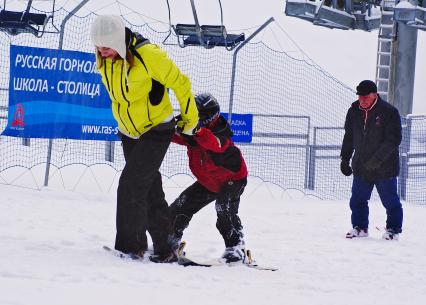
pixel 195 197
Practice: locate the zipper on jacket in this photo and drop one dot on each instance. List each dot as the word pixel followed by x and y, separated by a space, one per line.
pixel 131 121
pixel 147 109
pixel 122 90
pixel 122 122
pixel 128 73
pixel 128 102
pixel 112 80
pixel 365 118
pixel 366 110
pixel 111 89
pixel 112 92
pixel 149 116
pixel 106 75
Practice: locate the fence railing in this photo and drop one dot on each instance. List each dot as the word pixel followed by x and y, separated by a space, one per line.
pixel 412 178
pixel 315 150
pixel 308 157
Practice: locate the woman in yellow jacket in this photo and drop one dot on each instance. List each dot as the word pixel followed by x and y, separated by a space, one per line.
pixel 137 75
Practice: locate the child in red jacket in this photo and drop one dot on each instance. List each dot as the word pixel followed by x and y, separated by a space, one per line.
pixel 221 175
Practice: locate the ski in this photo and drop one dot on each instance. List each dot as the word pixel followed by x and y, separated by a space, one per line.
pixel 121 254
pixel 394 237
pixel 251 263
pixel 185 261
pixel 259 267
pixel 188 262
pixel 380 229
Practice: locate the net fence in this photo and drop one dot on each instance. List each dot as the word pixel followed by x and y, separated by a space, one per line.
pixel 298 113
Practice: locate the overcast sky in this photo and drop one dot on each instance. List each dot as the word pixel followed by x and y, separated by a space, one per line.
pixel 350 56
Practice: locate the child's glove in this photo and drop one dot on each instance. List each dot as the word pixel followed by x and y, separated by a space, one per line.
pixel 183 127
pixel 200 131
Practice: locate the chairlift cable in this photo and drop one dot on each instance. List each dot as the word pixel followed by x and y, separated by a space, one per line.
pixel 221 13
pixel 100 8
pixel 245 29
pixel 276 39
pixel 29 4
pixel 170 16
pixel 170 22
pixel 133 11
pixel 294 42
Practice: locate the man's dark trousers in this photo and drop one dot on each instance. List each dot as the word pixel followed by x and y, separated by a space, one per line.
pixel 361 193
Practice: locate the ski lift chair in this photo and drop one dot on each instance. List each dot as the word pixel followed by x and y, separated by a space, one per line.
pixel 363 12
pixel 353 16
pixel 366 22
pixel 301 9
pixel 413 16
pixel 15 23
pixel 334 18
pixel 208 36
pixel 320 14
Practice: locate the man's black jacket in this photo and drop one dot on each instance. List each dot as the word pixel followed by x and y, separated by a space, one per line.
pixel 377 139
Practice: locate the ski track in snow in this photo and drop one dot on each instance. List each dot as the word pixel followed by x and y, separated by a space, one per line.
pixel 51 253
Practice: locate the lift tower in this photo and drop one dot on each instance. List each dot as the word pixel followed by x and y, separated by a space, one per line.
pixel 397 22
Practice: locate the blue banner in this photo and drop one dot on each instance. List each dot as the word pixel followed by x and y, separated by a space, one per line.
pixel 242 127
pixel 57 94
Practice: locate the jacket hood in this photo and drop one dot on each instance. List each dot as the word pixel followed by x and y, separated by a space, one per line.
pixel 109 31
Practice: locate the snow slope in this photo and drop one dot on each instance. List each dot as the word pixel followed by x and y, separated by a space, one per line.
pixel 51 254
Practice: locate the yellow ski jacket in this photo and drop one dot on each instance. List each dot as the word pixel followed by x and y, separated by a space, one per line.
pixel 140 100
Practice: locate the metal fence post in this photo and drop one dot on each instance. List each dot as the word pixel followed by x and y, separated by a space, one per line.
pixel 404 158
pixel 61 42
pixel 234 65
pixel 311 168
pixel 26 141
pixel 403 177
pixel 312 157
pixel 307 156
pixel 109 151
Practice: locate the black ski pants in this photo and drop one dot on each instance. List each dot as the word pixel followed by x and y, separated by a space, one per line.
pixel 196 196
pixel 141 205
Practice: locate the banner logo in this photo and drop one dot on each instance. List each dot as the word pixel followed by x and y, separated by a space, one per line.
pixel 18 117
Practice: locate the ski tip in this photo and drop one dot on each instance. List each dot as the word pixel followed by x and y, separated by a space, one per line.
pixel 258 267
pixel 186 262
pixel 120 254
pixel 250 262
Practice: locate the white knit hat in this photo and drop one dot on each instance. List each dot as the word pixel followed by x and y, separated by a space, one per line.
pixel 109 31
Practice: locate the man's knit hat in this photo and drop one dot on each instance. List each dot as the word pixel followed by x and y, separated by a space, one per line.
pixel 366 87
pixel 109 31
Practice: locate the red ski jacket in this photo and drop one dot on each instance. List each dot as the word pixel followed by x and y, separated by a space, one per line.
pixel 213 157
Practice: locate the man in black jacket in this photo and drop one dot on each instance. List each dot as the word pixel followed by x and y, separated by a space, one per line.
pixel 373 136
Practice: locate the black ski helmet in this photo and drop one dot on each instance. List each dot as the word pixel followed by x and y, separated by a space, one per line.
pixel 208 107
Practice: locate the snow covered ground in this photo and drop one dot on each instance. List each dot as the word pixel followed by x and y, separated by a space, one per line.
pixel 51 254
